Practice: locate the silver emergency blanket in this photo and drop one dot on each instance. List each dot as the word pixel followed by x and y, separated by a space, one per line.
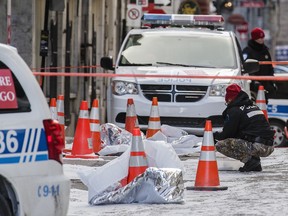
pixel 112 135
pixel 116 140
pixel 159 186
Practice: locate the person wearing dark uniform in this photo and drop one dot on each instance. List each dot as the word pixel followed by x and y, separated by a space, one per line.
pixel 256 49
pixel 246 134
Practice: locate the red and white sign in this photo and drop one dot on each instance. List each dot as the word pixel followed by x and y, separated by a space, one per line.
pixel 8 98
pixel 242 28
pixel 253 4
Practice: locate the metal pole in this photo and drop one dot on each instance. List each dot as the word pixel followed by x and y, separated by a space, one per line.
pixel 8 22
pixel 67 68
pixel 44 37
pixel 54 57
pixel 94 54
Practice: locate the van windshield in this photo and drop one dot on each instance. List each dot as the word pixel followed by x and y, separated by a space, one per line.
pixel 180 50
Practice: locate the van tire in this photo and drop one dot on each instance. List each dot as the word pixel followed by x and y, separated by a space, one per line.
pixel 278 126
pixel 4 206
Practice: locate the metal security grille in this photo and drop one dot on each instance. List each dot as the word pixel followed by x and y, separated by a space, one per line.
pixel 174 93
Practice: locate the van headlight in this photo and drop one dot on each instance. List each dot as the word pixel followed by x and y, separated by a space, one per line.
pixel 218 90
pixel 122 88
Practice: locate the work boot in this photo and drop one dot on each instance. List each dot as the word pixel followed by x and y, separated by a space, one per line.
pixel 252 165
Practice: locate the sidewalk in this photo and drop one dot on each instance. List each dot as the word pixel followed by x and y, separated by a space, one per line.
pixel 253 193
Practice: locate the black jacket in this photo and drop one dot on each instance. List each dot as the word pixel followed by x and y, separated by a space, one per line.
pixel 244 119
pixel 260 52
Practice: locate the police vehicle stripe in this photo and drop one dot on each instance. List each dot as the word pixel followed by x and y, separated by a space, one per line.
pixel 254 113
pixel 31 143
pixel 37 155
pixel 32 146
pixel 41 156
pixel 26 137
pixel 280 111
pixel 278 115
pixel 13 158
pixel 36 144
pixel 24 150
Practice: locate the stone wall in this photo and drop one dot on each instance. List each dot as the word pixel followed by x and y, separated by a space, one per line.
pixel 282 21
pixel 21 27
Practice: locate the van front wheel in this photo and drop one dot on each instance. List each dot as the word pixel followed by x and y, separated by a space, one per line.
pixel 279 138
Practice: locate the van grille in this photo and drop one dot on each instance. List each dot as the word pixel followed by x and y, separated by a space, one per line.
pixel 174 93
pixel 189 122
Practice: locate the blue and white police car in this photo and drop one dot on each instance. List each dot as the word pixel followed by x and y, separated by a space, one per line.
pixel 31 173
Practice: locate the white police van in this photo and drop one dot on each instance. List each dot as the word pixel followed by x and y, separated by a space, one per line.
pixel 31 173
pixel 277 107
pixel 181 45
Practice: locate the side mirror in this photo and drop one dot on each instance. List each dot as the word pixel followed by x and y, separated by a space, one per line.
pixel 107 63
pixel 251 66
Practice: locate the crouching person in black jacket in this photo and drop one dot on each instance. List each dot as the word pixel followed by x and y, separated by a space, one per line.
pixel 246 135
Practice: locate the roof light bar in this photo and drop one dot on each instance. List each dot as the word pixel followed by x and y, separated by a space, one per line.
pixel 182 20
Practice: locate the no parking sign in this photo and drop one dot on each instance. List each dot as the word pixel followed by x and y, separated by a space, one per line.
pixel 134 13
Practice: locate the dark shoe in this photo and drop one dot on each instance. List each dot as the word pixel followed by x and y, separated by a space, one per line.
pixel 256 169
pixel 252 165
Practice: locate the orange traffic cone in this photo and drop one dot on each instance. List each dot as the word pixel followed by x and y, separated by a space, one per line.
pixel 138 161
pixel 95 127
pixel 82 147
pixel 60 113
pixel 131 120
pixel 207 177
pixel 261 101
pixel 53 109
pixel 154 124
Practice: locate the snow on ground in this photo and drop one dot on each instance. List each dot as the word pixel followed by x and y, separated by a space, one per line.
pixel 254 193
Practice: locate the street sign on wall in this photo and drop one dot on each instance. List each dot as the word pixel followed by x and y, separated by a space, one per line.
pixel 133 16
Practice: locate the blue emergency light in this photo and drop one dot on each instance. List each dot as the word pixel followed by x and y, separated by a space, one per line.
pixel 182 20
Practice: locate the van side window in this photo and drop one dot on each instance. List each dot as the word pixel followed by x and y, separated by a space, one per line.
pixel 12 98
